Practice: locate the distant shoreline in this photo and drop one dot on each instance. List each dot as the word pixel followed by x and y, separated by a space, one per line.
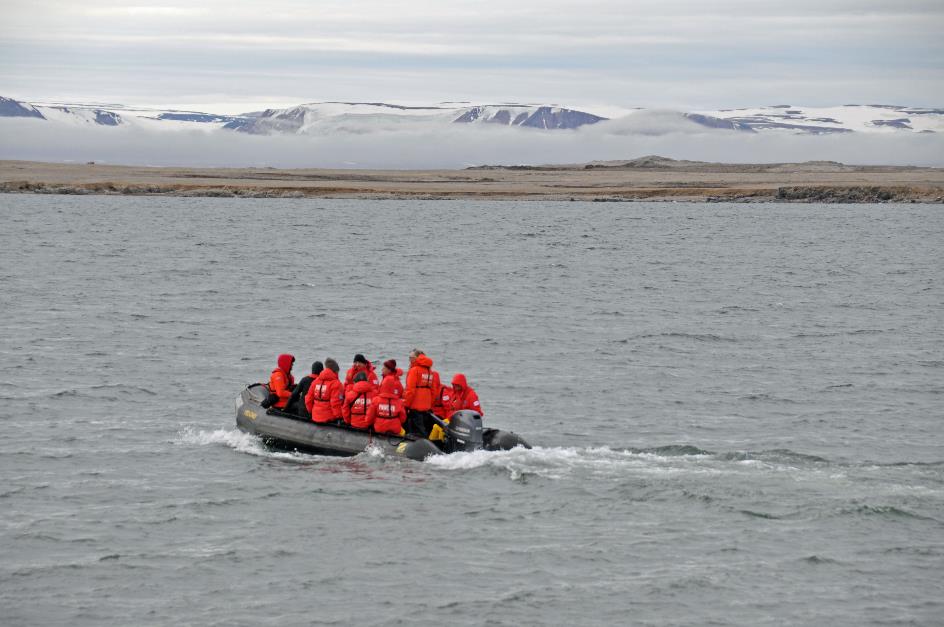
pixel 646 179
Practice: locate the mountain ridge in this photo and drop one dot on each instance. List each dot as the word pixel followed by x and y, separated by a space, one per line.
pixel 327 117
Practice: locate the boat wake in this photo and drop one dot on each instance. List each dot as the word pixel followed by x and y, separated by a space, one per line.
pixel 253 445
pixel 596 463
pixel 562 462
pixel 668 461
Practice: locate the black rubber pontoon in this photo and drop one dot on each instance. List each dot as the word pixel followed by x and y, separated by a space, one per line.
pixel 286 431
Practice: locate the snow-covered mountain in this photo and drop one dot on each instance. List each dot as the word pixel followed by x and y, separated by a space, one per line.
pixel 316 118
pixel 543 117
pixel 10 108
pixel 842 119
pixel 312 118
pixel 358 118
pixel 111 115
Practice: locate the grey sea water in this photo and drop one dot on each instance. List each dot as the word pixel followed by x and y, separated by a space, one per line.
pixel 736 413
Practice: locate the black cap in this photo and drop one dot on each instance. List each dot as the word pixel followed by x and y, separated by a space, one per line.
pixel 317 367
pixel 360 359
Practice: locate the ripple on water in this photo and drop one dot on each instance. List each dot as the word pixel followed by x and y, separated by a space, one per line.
pixel 683 387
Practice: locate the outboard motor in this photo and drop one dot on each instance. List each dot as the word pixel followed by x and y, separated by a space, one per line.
pixel 464 432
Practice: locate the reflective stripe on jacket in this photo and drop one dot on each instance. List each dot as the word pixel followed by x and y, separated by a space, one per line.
pixel 422 385
pixel 325 396
pixel 357 403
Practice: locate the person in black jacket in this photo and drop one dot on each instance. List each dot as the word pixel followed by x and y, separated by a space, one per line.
pixel 296 402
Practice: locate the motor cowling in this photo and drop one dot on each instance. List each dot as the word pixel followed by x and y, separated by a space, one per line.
pixel 464 432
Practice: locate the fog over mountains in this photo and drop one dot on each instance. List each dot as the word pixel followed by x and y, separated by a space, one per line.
pixel 458 134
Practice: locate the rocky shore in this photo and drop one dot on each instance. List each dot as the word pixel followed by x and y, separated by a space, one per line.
pixel 644 179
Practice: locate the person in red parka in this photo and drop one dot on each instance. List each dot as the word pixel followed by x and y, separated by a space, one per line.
pixel 422 386
pixel 296 403
pixel 326 395
pixel 390 371
pixel 464 397
pixel 281 380
pixel 442 404
pixel 386 413
pixel 360 365
pixel 357 401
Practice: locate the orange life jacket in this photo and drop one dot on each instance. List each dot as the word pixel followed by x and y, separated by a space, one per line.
pixel 422 385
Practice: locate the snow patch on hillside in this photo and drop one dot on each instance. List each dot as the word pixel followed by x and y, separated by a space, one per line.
pixel 855 118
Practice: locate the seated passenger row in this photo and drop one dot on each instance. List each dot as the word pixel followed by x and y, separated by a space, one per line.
pixel 362 402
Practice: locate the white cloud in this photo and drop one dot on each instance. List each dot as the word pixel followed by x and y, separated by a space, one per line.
pixel 454 146
pixel 681 53
pixel 141 11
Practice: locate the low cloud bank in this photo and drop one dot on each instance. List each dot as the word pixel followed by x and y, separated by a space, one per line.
pixel 456 146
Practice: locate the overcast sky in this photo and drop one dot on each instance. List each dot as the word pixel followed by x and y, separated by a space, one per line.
pixel 236 56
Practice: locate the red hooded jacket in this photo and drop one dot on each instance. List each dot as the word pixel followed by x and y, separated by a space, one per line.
pixel 368 370
pixel 395 382
pixel 464 397
pixel 324 397
pixel 281 380
pixel 386 413
pixel 442 404
pixel 422 385
pixel 356 403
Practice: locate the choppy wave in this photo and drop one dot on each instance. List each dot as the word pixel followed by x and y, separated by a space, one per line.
pixel 102 391
pixel 762 396
pixel 785 456
pixel 819 560
pixel 698 337
pixel 885 511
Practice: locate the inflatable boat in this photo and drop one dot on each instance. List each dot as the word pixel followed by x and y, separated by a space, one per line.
pixel 463 432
